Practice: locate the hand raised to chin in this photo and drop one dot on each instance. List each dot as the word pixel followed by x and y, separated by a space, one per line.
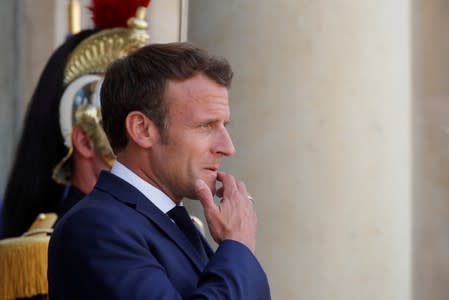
pixel 235 217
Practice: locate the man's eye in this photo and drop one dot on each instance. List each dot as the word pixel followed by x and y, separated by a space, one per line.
pixel 206 125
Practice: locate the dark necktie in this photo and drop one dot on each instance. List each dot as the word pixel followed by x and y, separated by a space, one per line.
pixel 182 219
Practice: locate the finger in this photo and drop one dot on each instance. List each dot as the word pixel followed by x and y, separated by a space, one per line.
pixel 243 191
pixel 225 177
pixel 220 175
pixel 242 188
pixel 204 194
pixel 228 181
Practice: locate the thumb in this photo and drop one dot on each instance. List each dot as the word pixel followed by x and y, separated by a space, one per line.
pixel 204 194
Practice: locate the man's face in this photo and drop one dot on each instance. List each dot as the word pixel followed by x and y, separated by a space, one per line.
pixel 196 139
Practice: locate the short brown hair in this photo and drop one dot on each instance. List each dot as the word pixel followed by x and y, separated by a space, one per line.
pixel 138 82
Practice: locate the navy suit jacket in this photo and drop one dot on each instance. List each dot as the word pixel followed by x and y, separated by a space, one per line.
pixel 115 244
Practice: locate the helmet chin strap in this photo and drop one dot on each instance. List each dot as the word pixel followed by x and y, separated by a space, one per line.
pixel 88 117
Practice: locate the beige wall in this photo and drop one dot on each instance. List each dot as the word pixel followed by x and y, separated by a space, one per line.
pixel 321 120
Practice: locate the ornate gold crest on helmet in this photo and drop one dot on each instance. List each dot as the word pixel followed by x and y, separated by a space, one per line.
pixel 98 51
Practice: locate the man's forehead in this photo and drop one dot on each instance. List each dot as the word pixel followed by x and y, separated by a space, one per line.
pixel 196 89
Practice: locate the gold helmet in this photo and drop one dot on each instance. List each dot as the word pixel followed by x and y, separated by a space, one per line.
pixel 80 102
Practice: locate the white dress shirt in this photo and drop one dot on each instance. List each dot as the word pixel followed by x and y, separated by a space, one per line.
pixel 154 195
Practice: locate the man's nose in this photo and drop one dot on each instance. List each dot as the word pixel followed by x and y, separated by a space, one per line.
pixel 224 144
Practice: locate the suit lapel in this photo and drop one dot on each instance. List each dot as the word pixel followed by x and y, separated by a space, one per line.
pixel 207 247
pixel 124 192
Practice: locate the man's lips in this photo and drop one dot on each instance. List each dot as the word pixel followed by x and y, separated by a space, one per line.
pixel 213 170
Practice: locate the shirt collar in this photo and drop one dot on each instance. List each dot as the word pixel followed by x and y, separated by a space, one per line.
pixel 155 195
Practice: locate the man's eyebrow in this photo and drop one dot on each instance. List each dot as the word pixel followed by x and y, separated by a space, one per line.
pixel 210 120
pixel 226 122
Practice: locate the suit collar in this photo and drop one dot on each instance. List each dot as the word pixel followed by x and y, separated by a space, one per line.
pixel 124 192
pixel 157 197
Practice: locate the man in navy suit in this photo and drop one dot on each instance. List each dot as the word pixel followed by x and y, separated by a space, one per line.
pixel 165 109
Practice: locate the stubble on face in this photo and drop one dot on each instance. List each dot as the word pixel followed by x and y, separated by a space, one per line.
pixel 190 147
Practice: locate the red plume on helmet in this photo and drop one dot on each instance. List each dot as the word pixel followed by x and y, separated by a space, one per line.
pixel 114 13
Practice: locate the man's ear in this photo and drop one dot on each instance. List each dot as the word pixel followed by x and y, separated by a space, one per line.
pixel 82 143
pixel 141 130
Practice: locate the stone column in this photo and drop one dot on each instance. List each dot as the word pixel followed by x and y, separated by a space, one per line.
pixel 27 41
pixel 431 149
pixel 321 110
pixel 9 86
pixel 167 20
pixel 40 28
